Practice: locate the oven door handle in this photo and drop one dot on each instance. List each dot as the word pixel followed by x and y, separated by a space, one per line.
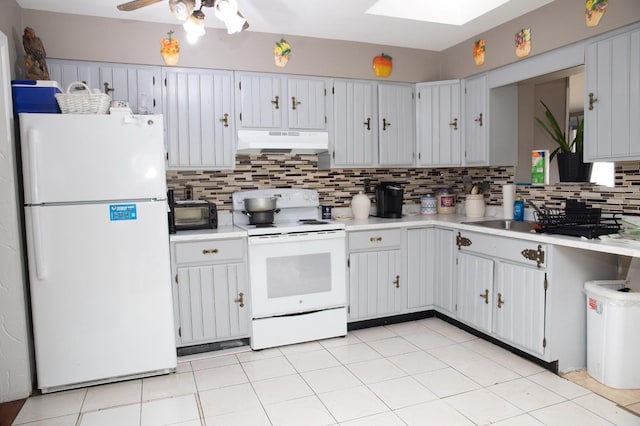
pixel 294 237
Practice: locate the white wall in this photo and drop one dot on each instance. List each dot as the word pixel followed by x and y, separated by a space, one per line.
pixel 15 370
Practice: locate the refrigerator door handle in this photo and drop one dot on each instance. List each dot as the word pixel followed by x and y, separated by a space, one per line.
pixel 38 251
pixel 32 142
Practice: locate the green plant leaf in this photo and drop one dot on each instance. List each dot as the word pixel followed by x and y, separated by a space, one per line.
pixel 555 132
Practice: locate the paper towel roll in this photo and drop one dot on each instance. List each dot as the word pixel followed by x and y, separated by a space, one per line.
pixel 508 198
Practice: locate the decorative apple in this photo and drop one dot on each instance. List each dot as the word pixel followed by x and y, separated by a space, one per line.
pixel 382 65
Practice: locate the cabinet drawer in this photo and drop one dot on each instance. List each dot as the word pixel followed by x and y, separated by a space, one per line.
pixel 368 240
pixel 512 249
pixel 210 251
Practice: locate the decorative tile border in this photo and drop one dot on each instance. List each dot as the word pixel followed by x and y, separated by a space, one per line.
pixel 337 186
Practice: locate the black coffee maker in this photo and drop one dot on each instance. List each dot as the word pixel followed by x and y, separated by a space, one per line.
pixel 389 197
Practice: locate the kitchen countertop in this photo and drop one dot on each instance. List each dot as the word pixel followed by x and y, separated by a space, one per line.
pixel 454 221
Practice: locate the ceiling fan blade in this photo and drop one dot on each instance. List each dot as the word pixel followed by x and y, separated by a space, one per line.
pixel 136 4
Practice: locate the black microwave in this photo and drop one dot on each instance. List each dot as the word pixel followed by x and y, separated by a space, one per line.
pixel 192 214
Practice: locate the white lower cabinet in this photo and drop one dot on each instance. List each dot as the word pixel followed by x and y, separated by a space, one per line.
pixel 528 294
pixel 375 280
pixel 430 270
pixel 475 291
pixel 520 296
pixel 210 291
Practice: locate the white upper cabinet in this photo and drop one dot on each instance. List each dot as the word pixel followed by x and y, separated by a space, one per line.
pixel 271 101
pixel 199 119
pixel 612 99
pixel 355 124
pixel 438 130
pixel 306 99
pixel 476 119
pixel 396 125
pixel 138 85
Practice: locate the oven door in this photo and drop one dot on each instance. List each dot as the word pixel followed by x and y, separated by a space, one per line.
pixel 299 272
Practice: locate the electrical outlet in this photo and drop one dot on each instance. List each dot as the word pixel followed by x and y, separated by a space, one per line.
pixel 367 186
pixel 188 192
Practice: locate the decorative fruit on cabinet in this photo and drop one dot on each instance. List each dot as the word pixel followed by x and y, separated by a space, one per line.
pixel 594 9
pixel 281 53
pixel 382 65
pixel 478 52
pixel 170 49
pixel 523 43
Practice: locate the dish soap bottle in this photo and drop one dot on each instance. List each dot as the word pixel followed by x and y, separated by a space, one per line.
pixel 518 209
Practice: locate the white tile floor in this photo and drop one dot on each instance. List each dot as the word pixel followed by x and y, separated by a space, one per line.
pixel 414 373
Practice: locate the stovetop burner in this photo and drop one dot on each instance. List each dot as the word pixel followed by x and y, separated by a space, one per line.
pixel 264 225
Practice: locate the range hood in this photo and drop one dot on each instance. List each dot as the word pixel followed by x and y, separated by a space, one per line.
pixel 285 142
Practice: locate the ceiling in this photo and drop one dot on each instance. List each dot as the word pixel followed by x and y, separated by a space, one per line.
pixel 327 19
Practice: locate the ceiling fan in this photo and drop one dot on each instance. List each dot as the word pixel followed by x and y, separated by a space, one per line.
pixel 225 10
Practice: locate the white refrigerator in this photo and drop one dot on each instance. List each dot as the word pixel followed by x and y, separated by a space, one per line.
pixel 98 247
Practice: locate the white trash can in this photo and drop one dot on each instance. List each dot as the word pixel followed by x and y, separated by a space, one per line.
pixel 613 333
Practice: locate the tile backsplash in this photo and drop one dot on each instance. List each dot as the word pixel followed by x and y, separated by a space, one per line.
pixel 337 186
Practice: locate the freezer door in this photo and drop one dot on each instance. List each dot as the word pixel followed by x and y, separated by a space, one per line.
pixel 75 158
pixel 100 291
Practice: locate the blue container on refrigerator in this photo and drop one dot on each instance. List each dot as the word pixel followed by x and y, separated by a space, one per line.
pixel 35 96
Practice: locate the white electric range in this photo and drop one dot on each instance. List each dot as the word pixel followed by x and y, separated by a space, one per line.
pixel 297 270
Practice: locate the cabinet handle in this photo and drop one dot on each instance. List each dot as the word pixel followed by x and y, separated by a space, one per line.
pixel 225 120
pixel 500 301
pixel 485 296
pixel 375 239
pixel 479 120
pixel 454 124
pixel 294 103
pixel 108 89
pixel 210 251
pixel 240 299
pixel 368 123
pixel 592 100
pixel 396 282
pixel 385 124
pixel 276 102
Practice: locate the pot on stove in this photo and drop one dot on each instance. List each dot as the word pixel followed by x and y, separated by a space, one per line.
pixel 260 204
pixel 261 218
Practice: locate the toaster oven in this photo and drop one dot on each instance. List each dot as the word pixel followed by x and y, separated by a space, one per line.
pixel 193 214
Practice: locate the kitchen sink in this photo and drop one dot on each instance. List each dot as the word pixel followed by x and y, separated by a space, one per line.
pixel 511 225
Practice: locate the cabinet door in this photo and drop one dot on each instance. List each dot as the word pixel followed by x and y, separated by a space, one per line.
pixel 443 249
pixel 260 101
pixel 355 128
pixel 200 129
pixel 67 72
pixel 306 103
pixel 520 299
pixel 209 309
pixel 374 284
pixel 612 99
pixel 420 268
pixel 396 125
pixel 474 292
pixel 438 124
pixel 430 269
pixel 476 119
pixel 140 86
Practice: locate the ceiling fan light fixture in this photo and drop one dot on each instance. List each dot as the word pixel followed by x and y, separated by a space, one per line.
pixel 194 26
pixel 236 24
pixel 182 9
pixel 225 9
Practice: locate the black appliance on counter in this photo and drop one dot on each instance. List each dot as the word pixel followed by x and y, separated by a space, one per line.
pixel 389 198
pixel 191 214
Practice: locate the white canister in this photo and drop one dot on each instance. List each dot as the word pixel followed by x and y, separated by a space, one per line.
pixel 360 206
pixel 428 205
pixel 474 205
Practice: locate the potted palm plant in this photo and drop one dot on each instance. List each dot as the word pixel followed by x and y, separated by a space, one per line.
pixel 571 166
